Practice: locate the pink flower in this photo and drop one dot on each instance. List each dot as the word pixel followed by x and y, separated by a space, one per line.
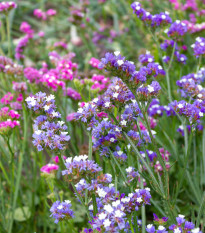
pixel 48 168
pixel 40 14
pixel 26 28
pixel 7 98
pixel 56 159
pixel 41 34
pixel 70 116
pixel 94 62
pixel 51 12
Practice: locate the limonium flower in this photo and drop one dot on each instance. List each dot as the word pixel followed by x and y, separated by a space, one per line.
pixel 146 58
pixel 5 7
pixel 191 85
pixel 48 168
pixel 8 67
pixel 158 20
pixel 60 44
pixel 19 86
pixel 177 29
pixel 113 216
pixel 26 28
pixel 193 111
pixel 131 174
pixel 40 14
pixel 79 167
pixel 70 92
pixel 61 211
pixel 8 120
pixel 49 131
pixel 20 47
pixel 181 226
pixel 94 62
pixel 199 46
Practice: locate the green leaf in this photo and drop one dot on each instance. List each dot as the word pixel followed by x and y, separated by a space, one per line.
pixel 22 214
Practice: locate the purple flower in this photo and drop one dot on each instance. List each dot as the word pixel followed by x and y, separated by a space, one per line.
pixel 177 29
pixel 49 131
pixel 61 211
pixel 199 46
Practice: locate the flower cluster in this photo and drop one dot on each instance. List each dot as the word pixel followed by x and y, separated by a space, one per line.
pixel 49 168
pixel 8 120
pixel 113 215
pixel 8 67
pixel 49 131
pixel 177 29
pixel 199 46
pixel 193 111
pixel 181 226
pixel 79 167
pixel 126 70
pixel 70 92
pixel 61 211
pixel 191 85
pixel 5 7
pixel 162 19
pixel 94 62
pixel 14 100
pixel 44 15
pixel 65 70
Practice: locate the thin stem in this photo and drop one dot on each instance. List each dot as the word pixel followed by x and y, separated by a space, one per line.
pixel 172 57
pixel 20 166
pixel 139 156
pixel 81 199
pixel 90 146
pixel 8 36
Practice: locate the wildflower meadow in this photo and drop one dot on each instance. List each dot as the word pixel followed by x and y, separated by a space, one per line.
pixel 102 106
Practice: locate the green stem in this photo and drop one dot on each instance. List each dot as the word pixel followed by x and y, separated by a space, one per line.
pixel 90 146
pixel 118 165
pixel 172 57
pixel 82 201
pixel 8 36
pixel 19 169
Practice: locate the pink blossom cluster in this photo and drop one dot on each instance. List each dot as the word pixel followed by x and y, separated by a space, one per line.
pixel 48 168
pixel 94 62
pixel 44 15
pixel 189 5
pixel 193 28
pixel 165 156
pixel 70 116
pixel 60 44
pixel 7 66
pixel 5 7
pixel 67 69
pixel 19 86
pixel 100 82
pixel 26 28
pixel 51 79
pixel 70 92
pixel 6 99
pixel 64 70
pixel 8 119
pixel 29 32
pixel 32 74
pixel 6 113
pixel 51 167
pixel 14 100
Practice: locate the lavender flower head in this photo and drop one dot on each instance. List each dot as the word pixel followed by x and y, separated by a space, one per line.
pixel 80 167
pixel 199 46
pixel 61 211
pixel 177 29
pixel 49 131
